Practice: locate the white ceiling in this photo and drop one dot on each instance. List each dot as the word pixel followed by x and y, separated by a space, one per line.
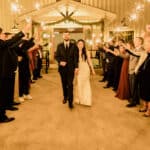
pixel 81 12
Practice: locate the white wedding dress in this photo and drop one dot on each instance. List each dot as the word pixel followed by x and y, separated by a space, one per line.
pixel 82 84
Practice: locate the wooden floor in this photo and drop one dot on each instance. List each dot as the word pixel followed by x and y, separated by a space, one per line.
pixel 44 123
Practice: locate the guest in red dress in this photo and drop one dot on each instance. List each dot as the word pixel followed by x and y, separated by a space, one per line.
pixel 123 91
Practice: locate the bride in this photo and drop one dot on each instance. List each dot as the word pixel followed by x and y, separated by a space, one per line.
pixel 83 89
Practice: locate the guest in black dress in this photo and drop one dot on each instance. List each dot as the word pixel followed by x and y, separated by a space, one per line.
pixel 145 80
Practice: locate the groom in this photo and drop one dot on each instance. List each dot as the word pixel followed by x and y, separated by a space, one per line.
pixel 67 56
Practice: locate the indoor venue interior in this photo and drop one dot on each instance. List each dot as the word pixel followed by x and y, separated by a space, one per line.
pixel 74 74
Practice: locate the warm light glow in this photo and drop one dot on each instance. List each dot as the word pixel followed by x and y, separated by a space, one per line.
pixel 37 6
pixel 98 41
pixel 50 44
pixel 109 39
pixel 93 35
pixel 42 23
pixel 118 29
pixel 139 7
pixel 44 27
pixel 14 7
pixel 90 42
pixel 46 36
pixel 53 35
pixel 100 34
pixel 28 19
pixel 133 17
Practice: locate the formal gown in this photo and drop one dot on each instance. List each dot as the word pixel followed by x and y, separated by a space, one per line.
pixel 82 86
pixel 123 91
pixel 145 79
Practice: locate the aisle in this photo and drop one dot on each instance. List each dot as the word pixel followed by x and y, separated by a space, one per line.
pixel 44 123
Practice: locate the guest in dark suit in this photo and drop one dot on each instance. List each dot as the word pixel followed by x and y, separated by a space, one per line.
pixel 110 64
pixel 144 76
pixel 67 56
pixel 12 63
pixel 7 67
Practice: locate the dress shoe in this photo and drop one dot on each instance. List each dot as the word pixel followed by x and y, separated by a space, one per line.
pixel 106 87
pixel 40 76
pixel 12 108
pixel 16 103
pixel 142 110
pixel 114 89
pixel 32 81
pixel 71 106
pixel 146 115
pixel 28 97
pixel 6 120
pixel 131 105
pixel 64 101
pixel 35 78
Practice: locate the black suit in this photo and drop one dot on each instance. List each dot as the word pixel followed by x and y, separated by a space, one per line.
pixel 8 64
pixel 71 57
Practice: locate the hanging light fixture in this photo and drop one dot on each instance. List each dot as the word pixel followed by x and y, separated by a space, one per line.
pixel 15 29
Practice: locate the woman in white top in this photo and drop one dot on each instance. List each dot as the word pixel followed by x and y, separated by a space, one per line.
pixel 83 89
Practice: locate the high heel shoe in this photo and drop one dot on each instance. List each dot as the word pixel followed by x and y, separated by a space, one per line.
pixel 147 114
pixel 142 110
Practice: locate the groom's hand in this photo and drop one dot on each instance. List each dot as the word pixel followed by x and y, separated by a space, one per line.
pixel 63 63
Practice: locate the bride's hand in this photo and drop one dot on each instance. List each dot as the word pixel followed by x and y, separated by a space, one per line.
pixel 93 72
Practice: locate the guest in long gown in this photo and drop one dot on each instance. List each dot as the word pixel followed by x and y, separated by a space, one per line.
pixel 123 91
pixel 145 79
pixel 83 88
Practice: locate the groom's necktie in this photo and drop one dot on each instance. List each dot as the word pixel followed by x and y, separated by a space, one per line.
pixel 67 48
